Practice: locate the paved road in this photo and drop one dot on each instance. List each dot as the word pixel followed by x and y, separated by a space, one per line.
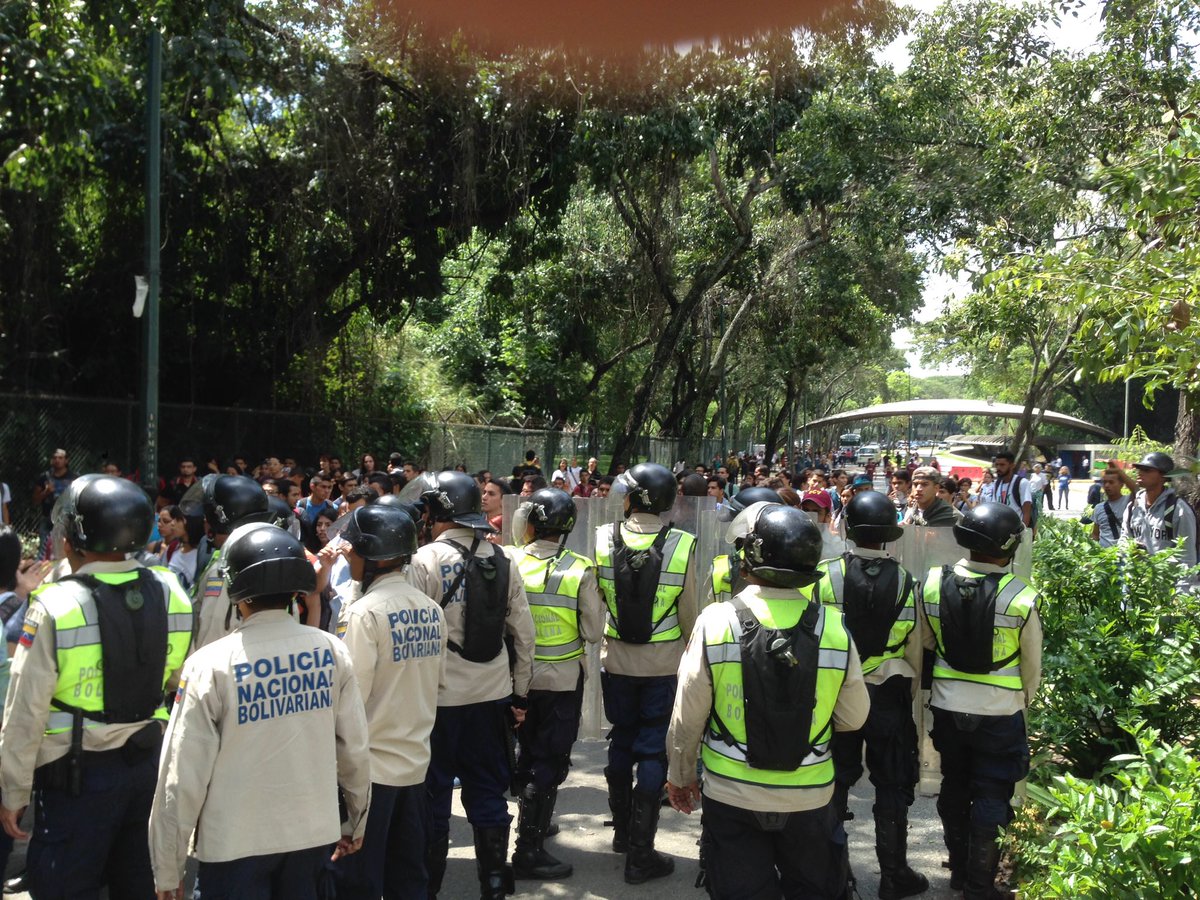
pixel 585 842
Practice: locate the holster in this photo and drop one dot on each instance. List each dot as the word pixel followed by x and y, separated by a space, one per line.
pixel 771 821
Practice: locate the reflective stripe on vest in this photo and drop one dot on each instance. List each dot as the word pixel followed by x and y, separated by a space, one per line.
pixel 552 585
pixel 77 643
pixel 723 653
pixel 1015 600
pixel 833 591
pixel 677 551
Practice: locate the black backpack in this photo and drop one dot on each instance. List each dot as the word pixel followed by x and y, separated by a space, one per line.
pixel 872 600
pixel 779 689
pixel 485 603
pixel 635 578
pixel 967 611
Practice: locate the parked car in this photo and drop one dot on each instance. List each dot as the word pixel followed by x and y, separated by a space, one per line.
pixel 868 452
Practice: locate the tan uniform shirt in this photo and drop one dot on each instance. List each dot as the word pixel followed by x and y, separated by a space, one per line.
pixel 210 601
pixel 434 569
pixel 985 699
pixel 564 676
pixel 268 725
pixel 693 708
pixel 662 658
pixel 908 665
pixel 24 744
pixel 396 638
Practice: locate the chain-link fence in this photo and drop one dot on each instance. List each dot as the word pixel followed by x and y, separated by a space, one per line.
pixel 97 431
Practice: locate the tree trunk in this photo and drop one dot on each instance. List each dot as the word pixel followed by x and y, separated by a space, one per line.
pixel 1187 423
pixel 777 422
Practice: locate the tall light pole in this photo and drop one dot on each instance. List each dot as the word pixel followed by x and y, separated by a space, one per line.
pixel 153 239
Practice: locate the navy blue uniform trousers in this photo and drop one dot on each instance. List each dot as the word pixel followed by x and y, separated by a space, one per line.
pixel 983 758
pixel 890 735
pixel 275 876
pixel 468 742
pixel 391 863
pixel 547 735
pixel 756 856
pixel 639 709
pixel 80 844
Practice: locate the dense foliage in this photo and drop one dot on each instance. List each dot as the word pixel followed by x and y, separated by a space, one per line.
pixel 362 218
pixel 1115 772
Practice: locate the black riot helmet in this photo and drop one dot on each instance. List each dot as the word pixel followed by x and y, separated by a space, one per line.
pixel 262 560
pixel 408 507
pixel 871 519
pixel 379 532
pixel 452 496
pixel 992 529
pixel 649 487
pixel 104 514
pixel 233 500
pixel 747 497
pixel 278 512
pixel 783 547
pixel 550 511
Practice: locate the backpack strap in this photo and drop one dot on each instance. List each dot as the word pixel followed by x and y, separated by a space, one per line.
pixel 458 579
pixel 1112 520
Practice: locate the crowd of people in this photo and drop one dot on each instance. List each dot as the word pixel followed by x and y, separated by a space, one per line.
pixel 207 670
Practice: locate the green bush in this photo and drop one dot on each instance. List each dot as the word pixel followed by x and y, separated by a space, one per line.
pixel 1121 643
pixel 1132 833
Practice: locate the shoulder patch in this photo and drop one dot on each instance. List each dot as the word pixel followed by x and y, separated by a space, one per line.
pixel 180 690
pixel 28 633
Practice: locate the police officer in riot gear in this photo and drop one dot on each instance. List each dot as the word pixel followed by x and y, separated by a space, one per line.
pixel 567 613
pixel 396 638
pixel 982 624
pixel 765 681
pixel 724 577
pixel 273 704
pixel 877 597
pixel 229 501
pixel 478 586
pixel 84 715
pixel 648 580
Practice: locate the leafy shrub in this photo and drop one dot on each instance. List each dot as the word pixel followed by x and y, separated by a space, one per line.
pixel 1132 833
pixel 1120 642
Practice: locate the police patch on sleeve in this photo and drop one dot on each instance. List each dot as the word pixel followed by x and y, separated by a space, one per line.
pixel 179 690
pixel 28 633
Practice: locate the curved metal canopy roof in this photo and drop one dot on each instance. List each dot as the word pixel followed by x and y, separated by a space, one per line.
pixel 952 407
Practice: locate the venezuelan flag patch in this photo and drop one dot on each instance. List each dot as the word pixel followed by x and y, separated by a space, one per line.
pixel 28 633
pixel 213 585
pixel 179 690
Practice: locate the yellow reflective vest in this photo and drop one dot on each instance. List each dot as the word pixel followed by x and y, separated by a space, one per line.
pixel 677 551
pixel 833 591
pixel 552 585
pixel 1015 600
pixel 723 651
pixel 80 654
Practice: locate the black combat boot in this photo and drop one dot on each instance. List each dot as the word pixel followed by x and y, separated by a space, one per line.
pixel 552 828
pixel 491 862
pixel 841 801
pixel 436 852
pixel 530 859
pixel 896 879
pixel 643 862
pixel 955 829
pixel 620 791
pixel 983 859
